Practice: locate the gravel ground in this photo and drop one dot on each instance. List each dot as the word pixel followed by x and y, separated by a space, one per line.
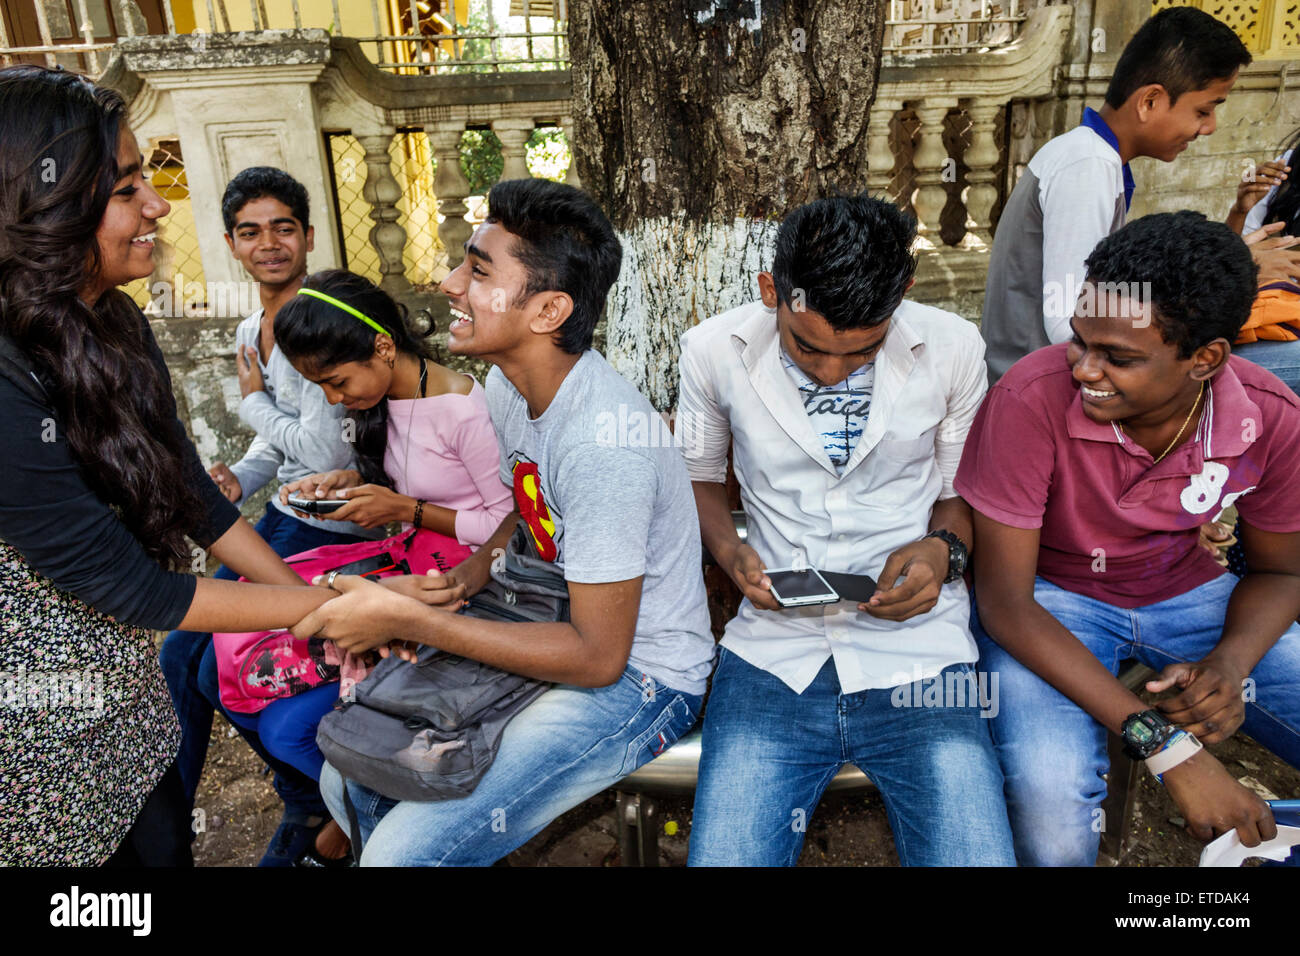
pixel 241 812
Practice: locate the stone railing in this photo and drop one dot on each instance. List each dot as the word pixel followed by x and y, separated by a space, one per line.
pixel 939 141
pixel 353 95
pixel 936 142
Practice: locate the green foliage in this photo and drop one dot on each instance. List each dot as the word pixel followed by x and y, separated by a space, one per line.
pixel 480 159
pixel 548 153
pixel 548 157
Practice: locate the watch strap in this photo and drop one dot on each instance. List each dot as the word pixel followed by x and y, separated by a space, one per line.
pixel 1181 746
pixel 957 553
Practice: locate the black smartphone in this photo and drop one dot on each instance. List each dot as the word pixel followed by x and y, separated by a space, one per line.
pixel 316 506
pixel 851 587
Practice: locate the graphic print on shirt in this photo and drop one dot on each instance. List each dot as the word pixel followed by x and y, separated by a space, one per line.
pixel 1203 490
pixel 532 506
pixel 838 413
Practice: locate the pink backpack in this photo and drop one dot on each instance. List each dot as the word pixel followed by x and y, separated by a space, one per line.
pixel 258 667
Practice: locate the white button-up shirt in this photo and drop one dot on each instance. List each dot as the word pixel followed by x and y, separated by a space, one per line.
pixel 930 380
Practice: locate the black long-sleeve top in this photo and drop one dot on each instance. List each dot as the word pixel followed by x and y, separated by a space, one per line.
pixel 71 536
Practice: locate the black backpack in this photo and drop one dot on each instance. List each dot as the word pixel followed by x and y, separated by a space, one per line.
pixel 429 730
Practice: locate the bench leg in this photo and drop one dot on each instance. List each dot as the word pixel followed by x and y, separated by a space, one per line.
pixel 1121 797
pixel 638 829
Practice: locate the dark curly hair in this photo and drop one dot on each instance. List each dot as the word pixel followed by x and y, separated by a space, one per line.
pixel 1201 275
pixel 258 181
pixel 322 335
pixel 850 255
pixel 113 404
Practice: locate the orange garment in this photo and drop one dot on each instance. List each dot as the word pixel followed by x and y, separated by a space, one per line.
pixel 1275 316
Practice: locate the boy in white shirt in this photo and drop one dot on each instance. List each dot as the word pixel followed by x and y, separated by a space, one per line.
pixel 846 410
pixel 1076 190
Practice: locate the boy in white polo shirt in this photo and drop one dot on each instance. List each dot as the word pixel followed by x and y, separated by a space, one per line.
pixel 1077 189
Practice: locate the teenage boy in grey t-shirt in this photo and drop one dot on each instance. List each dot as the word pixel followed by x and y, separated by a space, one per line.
pixel 604 494
pixel 609 512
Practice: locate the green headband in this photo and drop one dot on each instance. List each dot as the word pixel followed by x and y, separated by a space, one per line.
pixel 346 308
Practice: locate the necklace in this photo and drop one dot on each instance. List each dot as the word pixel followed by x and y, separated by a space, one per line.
pixel 1195 405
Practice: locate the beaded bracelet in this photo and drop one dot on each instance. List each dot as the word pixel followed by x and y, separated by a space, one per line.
pixel 419 512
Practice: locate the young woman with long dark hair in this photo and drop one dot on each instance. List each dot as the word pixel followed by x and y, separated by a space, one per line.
pixel 102 494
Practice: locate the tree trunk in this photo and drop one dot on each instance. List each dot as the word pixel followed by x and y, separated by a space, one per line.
pixel 699 124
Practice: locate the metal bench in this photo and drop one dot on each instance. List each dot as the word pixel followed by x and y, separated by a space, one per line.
pixel 675 772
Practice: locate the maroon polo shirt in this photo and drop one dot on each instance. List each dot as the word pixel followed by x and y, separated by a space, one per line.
pixel 1114 525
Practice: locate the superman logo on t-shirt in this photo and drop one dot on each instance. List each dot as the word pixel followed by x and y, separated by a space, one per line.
pixel 532 508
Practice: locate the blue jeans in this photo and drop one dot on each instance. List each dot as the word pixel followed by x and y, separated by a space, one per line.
pixel 287 727
pixel 190 668
pixel 1053 754
pixel 1280 358
pixel 566 746
pixel 768 754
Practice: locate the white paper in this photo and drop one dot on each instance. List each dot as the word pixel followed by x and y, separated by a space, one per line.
pixel 1228 851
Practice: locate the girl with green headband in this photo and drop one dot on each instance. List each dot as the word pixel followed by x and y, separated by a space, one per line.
pixel 426 451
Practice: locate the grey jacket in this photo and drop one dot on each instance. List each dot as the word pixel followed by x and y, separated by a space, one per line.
pixel 299 433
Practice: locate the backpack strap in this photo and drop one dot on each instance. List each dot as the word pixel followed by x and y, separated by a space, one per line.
pixel 15 367
pixel 354 824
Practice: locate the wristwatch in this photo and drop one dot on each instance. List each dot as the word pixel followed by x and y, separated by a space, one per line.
pixel 956 554
pixel 1145 734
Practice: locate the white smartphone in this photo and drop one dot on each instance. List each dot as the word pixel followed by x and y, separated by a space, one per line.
pixel 793 588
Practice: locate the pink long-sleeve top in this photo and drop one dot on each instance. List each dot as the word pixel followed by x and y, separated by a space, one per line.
pixel 453 460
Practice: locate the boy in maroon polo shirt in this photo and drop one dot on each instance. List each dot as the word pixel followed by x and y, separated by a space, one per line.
pixel 1090 468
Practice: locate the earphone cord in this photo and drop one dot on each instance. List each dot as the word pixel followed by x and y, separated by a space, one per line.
pixel 410 425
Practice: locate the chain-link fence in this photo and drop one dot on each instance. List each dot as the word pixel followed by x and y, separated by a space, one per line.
pixel 413 166
pixel 177 286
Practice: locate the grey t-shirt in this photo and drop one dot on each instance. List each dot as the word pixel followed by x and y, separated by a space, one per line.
pixel 605 491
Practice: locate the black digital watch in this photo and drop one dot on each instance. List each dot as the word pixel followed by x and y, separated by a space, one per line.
pixel 1145 734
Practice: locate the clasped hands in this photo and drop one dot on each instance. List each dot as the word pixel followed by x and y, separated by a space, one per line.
pixel 385 614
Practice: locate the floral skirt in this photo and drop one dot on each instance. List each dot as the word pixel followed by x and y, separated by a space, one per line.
pixel 87 727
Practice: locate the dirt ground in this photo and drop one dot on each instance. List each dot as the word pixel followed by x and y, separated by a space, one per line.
pixel 241 812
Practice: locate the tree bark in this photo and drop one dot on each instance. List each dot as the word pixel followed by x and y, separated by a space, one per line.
pixel 698 125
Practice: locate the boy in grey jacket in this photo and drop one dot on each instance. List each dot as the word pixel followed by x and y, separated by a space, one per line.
pixel 299 433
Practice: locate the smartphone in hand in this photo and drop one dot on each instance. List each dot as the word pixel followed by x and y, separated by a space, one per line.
pixel 793 588
pixel 316 506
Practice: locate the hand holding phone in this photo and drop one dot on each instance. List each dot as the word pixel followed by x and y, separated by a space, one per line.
pixel 316 506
